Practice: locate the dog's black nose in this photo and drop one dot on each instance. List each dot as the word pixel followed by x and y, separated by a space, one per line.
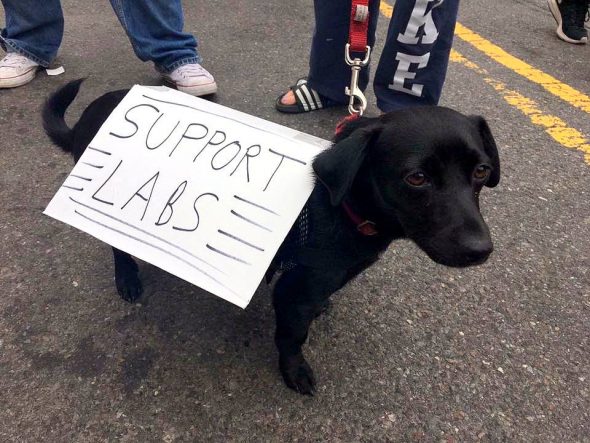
pixel 461 252
pixel 476 250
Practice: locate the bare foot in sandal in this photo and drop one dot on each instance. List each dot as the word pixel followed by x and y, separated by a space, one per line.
pixel 289 98
pixel 301 98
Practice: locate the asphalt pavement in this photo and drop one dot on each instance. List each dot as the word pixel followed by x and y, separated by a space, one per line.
pixel 409 351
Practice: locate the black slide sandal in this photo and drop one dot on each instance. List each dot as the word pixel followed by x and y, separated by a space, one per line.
pixel 306 100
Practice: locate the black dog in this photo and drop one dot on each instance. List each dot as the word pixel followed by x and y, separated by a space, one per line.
pixel 415 173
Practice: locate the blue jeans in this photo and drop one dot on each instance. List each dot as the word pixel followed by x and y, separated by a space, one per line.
pixel 413 64
pixel 34 28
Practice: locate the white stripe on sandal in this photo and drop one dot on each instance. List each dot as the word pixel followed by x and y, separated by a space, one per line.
pixel 302 99
pixel 312 104
pixel 317 99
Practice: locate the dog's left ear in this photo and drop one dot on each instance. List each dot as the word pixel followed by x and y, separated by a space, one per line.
pixel 337 167
pixel 489 145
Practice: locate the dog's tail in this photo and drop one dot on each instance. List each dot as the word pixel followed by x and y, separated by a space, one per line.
pixel 53 115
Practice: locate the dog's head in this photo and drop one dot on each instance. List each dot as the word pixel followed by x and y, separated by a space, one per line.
pixel 418 173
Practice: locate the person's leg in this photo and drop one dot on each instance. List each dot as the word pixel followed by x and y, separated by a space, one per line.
pixel 328 72
pixel 570 16
pixel 33 29
pixel 155 29
pixel 413 65
pixel 31 38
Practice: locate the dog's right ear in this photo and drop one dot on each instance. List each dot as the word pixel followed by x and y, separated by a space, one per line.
pixel 337 167
pixel 490 148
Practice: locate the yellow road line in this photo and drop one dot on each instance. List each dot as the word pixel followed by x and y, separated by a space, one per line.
pixel 386 10
pixel 551 84
pixel 548 82
pixel 554 126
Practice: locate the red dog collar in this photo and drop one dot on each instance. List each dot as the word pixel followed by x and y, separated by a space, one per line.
pixel 346 120
pixel 364 226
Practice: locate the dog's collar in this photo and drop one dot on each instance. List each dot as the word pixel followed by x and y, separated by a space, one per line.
pixel 364 226
pixel 346 120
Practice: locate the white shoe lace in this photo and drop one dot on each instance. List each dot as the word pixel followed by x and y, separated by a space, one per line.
pixel 192 70
pixel 14 60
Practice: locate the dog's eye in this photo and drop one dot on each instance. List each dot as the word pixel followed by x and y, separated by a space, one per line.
pixel 417 179
pixel 481 172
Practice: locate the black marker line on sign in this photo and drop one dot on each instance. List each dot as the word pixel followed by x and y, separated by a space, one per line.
pixel 227 234
pixel 93 165
pixel 80 177
pixel 169 206
pixel 250 221
pixel 217 168
pixel 156 247
pixel 72 188
pixel 143 231
pixel 205 194
pixel 105 182
pixel 258 128
pixel 99 150
pixel 237 197
pixel 283 157
pixel 247 156
pixel 132 122
pixel 183 136
pixel 163 141
pixel 225 254
pixel 210 143
pixel 154 178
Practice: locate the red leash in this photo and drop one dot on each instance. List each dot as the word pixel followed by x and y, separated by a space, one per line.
pixel 359 25
pixel 357 43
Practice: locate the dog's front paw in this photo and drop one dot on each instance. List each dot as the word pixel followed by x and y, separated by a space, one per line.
pixel 129 286
pixel 298 375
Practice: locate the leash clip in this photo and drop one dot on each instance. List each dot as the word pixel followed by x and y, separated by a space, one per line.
pixel 354 92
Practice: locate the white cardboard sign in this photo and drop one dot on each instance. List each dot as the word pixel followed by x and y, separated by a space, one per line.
pixel 202 191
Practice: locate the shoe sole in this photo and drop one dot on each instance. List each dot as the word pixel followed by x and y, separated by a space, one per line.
pixel 19 80
pixel 557 16
pixel 196 91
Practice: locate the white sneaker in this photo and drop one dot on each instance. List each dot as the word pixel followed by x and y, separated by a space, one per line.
pixel 192 79
pixel 16 70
